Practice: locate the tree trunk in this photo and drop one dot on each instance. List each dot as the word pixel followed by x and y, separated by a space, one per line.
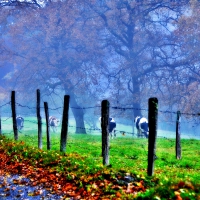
pixel 136 110
pixel 134 88
pixel 77 112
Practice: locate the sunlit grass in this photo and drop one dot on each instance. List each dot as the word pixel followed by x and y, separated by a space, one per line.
pixel 127 154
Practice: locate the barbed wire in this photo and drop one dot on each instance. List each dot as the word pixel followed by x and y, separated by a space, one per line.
pixel 112 107
pixel 123 133
pixel 90 129
pixel 31 121
pixel 86 107
pixel 6 119
pixel 5 104
pixel 23 106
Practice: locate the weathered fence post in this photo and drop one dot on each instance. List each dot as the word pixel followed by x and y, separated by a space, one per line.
pixel 39 120
pixel 105 133
pixel 13 107
pixel 178 136
pixel 152 118
pixel 64 129
pixel 47 125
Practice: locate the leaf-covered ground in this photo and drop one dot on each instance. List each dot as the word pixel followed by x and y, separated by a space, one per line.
pixel 44 181
pixel 28 173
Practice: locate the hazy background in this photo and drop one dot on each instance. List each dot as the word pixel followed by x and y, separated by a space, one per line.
pixel 123 51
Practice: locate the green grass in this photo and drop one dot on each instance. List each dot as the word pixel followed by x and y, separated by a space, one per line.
pixel 127 154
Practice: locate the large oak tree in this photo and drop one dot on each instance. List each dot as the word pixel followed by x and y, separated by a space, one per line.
pixel 141 33
pixel 56 46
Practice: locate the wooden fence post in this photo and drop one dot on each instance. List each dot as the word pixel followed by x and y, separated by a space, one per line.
pixel 47 125
pixel 178 136
pixel 39 120
pixel 65 119
pixel 105 133
pixel 13 107
pixel 152 118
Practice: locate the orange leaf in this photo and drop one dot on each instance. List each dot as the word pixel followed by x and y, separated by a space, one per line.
pixel 118 194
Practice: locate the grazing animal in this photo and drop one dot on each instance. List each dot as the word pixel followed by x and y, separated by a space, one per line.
pixel 20 122
pixel 54 123
pixel 142 126
pixel 111 127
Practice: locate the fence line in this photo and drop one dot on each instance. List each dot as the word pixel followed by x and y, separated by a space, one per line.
pixel 111 107
pixel 13 107
pixel 47 125
pixel 178 135
pixel 64 130
pixel 153 118
pixel 89 129
pixel 122 132
pixel 104 126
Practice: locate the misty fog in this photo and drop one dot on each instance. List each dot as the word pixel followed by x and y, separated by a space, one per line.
pixel 122 51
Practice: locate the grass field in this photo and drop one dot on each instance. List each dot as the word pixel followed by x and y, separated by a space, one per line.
pixel 129 155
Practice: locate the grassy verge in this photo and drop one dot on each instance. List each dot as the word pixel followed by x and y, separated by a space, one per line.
pixel 82 163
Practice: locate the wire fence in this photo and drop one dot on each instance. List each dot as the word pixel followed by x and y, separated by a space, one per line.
pixel 125 129
pixel 190 122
